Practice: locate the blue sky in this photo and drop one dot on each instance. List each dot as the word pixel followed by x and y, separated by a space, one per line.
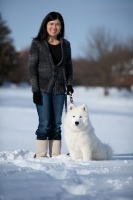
pixel 24 18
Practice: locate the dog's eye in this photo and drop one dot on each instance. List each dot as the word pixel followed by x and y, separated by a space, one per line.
pixel 80 117
pixel 73 116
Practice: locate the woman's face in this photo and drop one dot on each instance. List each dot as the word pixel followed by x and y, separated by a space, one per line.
pixel 54 28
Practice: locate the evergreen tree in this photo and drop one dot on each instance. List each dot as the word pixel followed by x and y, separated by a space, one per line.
pixel 8 60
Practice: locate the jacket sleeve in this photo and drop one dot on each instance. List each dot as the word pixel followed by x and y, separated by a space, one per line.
pixel 33 66
pixel 69 67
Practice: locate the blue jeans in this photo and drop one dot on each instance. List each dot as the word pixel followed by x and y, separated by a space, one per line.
pixel 50 113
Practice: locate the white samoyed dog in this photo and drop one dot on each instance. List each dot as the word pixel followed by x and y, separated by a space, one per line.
pixel 80 138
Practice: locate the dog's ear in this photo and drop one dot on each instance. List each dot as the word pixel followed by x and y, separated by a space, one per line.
pixel 70 107
pixel 84 107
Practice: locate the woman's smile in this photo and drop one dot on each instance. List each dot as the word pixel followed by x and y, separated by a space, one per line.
pixel 54 27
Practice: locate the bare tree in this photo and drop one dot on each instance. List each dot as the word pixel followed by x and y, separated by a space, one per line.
pixel 100 44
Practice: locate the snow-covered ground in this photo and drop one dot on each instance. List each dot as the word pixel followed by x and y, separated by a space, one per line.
pixel 23 177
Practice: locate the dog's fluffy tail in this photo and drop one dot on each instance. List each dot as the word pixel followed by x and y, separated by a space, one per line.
pixel 109 151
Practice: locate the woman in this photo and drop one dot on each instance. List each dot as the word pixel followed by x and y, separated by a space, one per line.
pixel 50 72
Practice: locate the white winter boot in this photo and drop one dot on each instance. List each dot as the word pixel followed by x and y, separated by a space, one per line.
pixel 54 148
pixel 41 148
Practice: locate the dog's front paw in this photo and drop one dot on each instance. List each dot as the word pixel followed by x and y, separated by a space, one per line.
pixel 86 159
pixel 73 157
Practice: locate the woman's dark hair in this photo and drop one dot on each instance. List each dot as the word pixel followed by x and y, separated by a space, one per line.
pixel 42 34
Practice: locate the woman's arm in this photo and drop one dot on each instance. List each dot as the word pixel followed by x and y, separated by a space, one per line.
pixel 69 67
pixel 33 65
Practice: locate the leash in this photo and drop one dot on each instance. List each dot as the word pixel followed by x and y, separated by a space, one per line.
pixel 71 100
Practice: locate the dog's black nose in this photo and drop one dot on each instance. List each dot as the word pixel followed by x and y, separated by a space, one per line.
pixel 76 123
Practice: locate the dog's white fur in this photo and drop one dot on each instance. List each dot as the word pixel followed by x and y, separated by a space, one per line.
pixel 80 138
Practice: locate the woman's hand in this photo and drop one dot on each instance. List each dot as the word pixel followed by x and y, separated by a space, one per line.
pixel 37 98
pixel 69 89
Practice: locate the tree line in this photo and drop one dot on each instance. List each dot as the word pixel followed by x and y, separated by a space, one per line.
pixel 107 61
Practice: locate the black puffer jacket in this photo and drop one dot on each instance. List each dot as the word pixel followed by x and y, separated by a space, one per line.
pixel 42 71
